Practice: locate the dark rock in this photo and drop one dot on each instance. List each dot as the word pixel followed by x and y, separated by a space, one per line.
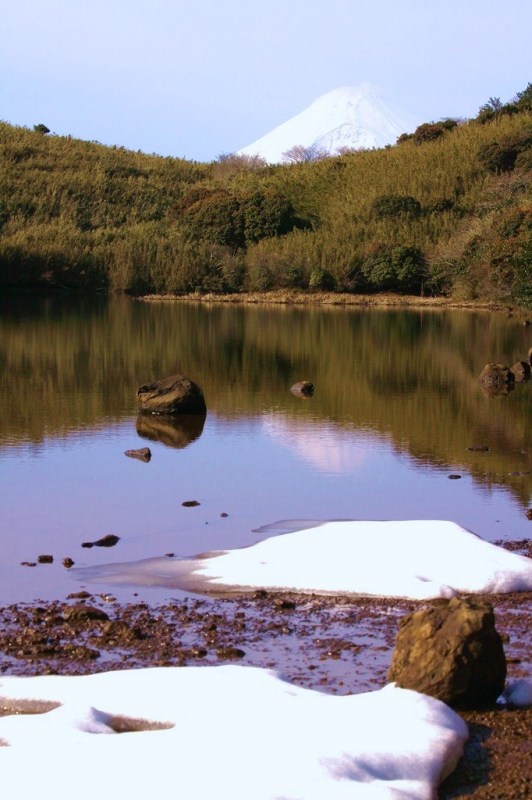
pixel 190 503
pixel 45 559
pixel 454 477
pixel 451 651
pixel 230 653
pixel 172 431
pixel 496 375
pixel 68 562
pixel 303 389
pixel 84 612
pixel 83 595
pixel 28 563
pixel 521 370
pixel 224 514
pixel 143 454
pixel 528 514
pixel 174 395
pixel 283 604
pixel 106 541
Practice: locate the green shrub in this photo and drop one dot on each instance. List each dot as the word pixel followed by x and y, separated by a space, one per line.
pixel 391 206
pixel 400 269
pixel 321 280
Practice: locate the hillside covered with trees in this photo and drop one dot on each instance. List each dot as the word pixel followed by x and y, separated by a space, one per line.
pixel 446 210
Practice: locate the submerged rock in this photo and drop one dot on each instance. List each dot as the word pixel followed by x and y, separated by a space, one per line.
pixel 174 395
pixel 451 651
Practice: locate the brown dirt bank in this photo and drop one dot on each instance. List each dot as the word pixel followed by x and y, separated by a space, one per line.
pixel 338 645
pixel 286 297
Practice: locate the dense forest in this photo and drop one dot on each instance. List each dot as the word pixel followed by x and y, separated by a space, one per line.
pixel 445 211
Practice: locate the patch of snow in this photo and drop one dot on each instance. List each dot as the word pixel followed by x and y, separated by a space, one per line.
pixel 417 559
pixel 519 693
pixel 229 731
pixel 349 117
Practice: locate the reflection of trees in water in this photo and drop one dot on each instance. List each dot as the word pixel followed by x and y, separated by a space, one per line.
pixel 71 362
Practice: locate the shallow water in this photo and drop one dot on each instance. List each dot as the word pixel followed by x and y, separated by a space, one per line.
pixel 396 407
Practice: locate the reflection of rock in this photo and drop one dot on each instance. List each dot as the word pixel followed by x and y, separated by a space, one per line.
pixel 303 389
pixel 496 375
pixel 174 395
pixel 521 370
pixel 451 651
pixel 498 389
pixel 172 431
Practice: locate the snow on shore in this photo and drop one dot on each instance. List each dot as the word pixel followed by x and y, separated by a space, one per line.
pixel 204 732
pixel 413 559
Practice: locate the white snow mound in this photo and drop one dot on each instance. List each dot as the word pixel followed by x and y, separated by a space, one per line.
pixel 417 559
pixel 229 731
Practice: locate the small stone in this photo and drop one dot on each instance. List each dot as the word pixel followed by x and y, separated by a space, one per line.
pixel 528 513
pixel 454 477
pixel 45 559
pixel 28 563
pixel 302 389
pixel 230 653
pixel 283 604
pixel 223 514
pixel 83 595
pixel 190 503
pixel 142 454
pixel 106 541
pixel 68 562
pixel 83 612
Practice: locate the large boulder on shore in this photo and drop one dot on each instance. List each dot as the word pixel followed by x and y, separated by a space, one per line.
pixel 496 375
pixel 451 651
pixel 174 395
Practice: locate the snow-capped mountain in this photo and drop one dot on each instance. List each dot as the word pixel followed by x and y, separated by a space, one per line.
pixel 349 117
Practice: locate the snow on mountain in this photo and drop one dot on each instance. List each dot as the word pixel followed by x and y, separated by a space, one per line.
pixel 348 117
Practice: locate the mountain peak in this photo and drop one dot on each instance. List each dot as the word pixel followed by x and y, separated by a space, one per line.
pixel 347 117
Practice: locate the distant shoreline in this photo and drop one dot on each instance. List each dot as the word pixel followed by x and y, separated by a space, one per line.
pixel 284 297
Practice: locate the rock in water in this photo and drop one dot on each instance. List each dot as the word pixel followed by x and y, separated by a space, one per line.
pixel 496 375
pixel 174 395
pixel 451 651
pixel 143 454
pixel 521 370
pixel 303 389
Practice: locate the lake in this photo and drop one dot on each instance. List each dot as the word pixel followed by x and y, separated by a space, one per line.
pixel 397 409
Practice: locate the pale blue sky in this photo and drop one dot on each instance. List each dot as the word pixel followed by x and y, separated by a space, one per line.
pixel 195 79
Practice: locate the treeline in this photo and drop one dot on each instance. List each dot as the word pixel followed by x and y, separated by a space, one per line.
pixel 445 211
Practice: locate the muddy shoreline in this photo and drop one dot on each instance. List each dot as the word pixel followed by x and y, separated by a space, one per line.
pixel 338 645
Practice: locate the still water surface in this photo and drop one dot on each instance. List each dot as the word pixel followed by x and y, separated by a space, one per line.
pixel 397 407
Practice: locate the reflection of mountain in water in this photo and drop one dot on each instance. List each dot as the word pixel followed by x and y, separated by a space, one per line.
pixel 329 448
pixel 172 431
